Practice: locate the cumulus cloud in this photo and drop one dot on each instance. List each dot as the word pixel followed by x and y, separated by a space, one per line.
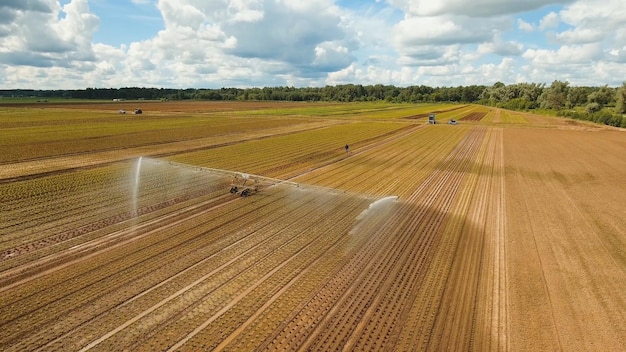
pixel 247 43
pixel 332 56
pixel 37 37
pixel 28 5
pixel 297 36
pixel 550 20
pixel 440 30
pixel 580 35
pixel 444 40
pixel 593 45
pixel 269 38
pixel 525 26
pixel 430 55
pixel 609 14
pixel 372 75
pixel 617 55
pixel 502 48
pixel 594 23
pixel 477 8
pixel 565 55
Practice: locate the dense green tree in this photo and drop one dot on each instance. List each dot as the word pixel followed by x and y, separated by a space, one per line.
pixel 602 96
pixel 555 96
pixel 620 99
pixel 516 96
pixel 592 108
pixel 577 96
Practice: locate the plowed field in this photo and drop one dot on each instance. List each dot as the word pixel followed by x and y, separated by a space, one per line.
pixel 120 233
pixel 474 116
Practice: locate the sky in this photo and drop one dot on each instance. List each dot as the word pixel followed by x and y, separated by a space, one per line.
pixel 78 44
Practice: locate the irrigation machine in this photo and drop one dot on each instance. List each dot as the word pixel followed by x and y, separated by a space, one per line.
pixel 241 186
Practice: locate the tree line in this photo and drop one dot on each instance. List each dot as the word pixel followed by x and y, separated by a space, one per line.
pixel 603 104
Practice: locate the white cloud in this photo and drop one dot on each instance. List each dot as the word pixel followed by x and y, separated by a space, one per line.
pixel 331 56
pixel 181 14
pixel 580 36
pixel 439 30
pixel 37 37
pixel 593 22
pixel 549 21
pixel 475 8
pixel 502 48
pixel 525 26
pixel 430 55
pixel 617 55
pixel 372 75
pixel 565 55
pixel 441 41
pixel 282 42
pixel 286 33
pixel 590 13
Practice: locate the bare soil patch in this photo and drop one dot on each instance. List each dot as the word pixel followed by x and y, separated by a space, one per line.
pixel 419 116
pixel 474 116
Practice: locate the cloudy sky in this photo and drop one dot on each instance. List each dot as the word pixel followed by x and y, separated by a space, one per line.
pixel 75 44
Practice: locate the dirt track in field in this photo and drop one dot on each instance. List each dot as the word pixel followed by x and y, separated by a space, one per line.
pixel 423 238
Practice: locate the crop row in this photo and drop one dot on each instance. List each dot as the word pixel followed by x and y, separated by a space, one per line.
pixel 300 330
pixel 203 253
pixel 110 185
pixel 50 305
pixel 474 116
pixel 289 268
pixel 94 204
pixel 87 278
pixel 510 117
pixel 304 149
pixel 347 111
pixel 246 293
pixel 239 266
pixel 363 278
pixel 261 330
pixel 462 238
pixel 105 131
pixel 380 326
pixel 420 152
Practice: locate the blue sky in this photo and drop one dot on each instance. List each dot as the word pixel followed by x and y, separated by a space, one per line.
pixel 74 44
pixel 123 22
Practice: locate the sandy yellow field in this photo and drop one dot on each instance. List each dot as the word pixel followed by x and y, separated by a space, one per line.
pixel 505 232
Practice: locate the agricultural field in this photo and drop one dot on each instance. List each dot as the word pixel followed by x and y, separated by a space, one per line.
pixel 504 232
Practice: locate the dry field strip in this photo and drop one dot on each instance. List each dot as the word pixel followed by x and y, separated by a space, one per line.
pixel 505 232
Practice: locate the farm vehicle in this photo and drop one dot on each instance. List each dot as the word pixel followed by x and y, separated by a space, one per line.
pixel 241 186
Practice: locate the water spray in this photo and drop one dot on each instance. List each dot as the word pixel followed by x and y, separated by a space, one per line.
pixel 138 171
pixel 376 204
pixel 136 185
pixel 366 221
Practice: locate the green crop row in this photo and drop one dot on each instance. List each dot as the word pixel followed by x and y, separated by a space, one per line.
pixel 268 156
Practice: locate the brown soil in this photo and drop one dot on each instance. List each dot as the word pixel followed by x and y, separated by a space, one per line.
pixel 474 116
pixel 419 116
pixel 501 238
